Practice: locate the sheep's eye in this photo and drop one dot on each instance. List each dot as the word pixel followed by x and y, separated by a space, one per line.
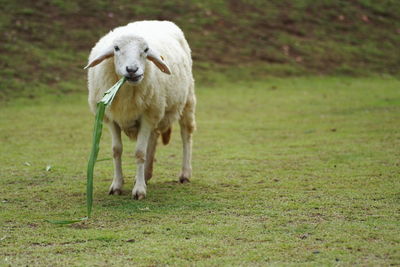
pixel 147 49
pixel 116 48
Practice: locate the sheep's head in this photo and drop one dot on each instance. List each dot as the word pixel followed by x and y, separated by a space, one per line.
pixel 130 53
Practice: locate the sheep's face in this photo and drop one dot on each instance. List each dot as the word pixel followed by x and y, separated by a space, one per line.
pixel 130 53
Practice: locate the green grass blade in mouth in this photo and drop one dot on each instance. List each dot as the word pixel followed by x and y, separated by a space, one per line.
pixel 110 93
pixel 97 130
pixel 98 126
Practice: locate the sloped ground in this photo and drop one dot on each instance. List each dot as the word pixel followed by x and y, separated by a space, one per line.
pixel 44 43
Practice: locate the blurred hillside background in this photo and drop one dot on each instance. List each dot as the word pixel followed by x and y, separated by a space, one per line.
pixel 45 43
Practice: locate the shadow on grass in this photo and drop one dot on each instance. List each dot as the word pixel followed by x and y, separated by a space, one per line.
pixel 162 197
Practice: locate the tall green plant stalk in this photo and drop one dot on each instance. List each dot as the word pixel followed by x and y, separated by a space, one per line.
pixel 97 131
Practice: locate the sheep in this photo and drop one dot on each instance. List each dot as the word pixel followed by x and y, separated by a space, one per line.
pixel 155 58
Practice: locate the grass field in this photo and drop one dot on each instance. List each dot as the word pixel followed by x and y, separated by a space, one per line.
pixel 298 171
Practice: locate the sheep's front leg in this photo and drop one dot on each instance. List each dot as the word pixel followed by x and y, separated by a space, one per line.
pixel 116 186
pixel 139 190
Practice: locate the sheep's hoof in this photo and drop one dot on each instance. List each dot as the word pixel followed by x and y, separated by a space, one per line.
pixel 114 190
pixel 139 196
pixel 138 193
pixel 184 180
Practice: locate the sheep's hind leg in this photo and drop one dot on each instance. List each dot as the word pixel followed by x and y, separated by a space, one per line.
pixel 187 125
pixel 151 150
pixel 116 186
pixel 139 190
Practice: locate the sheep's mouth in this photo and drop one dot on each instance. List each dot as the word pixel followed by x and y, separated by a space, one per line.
pixel 134 79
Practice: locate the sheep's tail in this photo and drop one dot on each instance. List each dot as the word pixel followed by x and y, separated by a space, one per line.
pixel 166 136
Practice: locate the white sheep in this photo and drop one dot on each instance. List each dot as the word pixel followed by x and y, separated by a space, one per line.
pixel 154 97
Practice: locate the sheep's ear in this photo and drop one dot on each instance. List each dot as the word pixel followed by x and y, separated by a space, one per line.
pixel 158 61
pixel 106 54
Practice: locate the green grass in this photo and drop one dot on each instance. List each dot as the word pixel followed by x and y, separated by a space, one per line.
pixel 299 171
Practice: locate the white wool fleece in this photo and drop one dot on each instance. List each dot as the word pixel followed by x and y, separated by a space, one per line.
pixel 158 94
